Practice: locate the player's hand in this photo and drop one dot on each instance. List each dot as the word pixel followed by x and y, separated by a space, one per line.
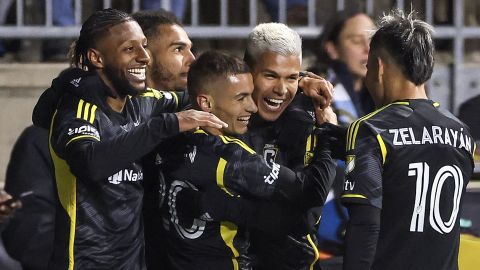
pixel 317 88
pixel 7 206
pixel 326 115
pixel 335 136
pixel 193 119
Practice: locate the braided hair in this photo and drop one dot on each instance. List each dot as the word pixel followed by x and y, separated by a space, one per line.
pixel 93 29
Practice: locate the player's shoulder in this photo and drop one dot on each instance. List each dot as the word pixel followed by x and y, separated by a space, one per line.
pixel 383 117
pixel 221 145
pixel 157 94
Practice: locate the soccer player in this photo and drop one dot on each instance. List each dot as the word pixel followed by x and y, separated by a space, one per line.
pixel 282 131
pixel 170 51
pixel 408 162
pixel 212 158
pixel 104 123
pixel 169 47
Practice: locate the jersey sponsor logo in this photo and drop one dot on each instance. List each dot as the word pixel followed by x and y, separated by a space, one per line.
pixel 84 130
pixel 350 160
pixel 273 175
pixel 76 82
pixel 431 135
pixel 125 176
pixel 270 152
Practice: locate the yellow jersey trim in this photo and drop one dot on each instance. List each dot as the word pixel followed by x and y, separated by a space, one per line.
pixel 353 128
pixel 175 96
pixel 81 137
pixel 228 140
pixel 92 114
pixel 383 148
pixel 86 111
pixel 222 163
pixel 67 193
pixel 228 231
pixel 315 251
pixel 80 108
pixel 354 196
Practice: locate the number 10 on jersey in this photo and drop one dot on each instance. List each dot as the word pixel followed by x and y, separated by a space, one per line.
pixel 422 171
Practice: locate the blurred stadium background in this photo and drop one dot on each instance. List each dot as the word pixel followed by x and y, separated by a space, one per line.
pixel 35 47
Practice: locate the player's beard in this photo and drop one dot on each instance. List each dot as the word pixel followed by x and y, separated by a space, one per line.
pixel 120 82
pixel 159 72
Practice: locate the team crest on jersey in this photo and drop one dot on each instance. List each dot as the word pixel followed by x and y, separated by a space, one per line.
pixel 270 152
pixel 350 161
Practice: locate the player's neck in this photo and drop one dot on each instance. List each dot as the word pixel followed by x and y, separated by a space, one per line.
pixel 213 131
pixel 116 104
pixel 402 89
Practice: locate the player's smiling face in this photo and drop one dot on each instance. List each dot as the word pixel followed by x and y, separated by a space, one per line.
pixel 232 102
pixel 275 78
pixel 124 58
pixel 171 57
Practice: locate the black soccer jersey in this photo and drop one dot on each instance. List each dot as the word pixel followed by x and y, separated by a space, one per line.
pixel 290 141
pixel 230 164
pixel 413 161
pixel 96 153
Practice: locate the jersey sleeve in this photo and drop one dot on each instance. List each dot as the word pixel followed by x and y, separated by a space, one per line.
pixel 363 172
pixel 249 173
pixel 76 139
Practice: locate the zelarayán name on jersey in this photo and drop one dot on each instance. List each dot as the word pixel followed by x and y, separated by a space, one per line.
pixel 431 135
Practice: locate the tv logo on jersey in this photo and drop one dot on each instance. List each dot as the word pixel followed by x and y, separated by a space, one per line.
pixel 125 176
pixel 84 130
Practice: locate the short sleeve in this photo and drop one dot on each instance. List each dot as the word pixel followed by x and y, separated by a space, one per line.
pixel 363 172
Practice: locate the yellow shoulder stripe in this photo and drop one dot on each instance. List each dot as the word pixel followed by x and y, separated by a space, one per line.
pixel 353 128
pixel 383 148
pixel 227 140
pixel 86 111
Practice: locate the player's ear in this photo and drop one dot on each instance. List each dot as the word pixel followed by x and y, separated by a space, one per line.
pixel 95 57
pixel 381 68
pixel 204 102
pixel 331 50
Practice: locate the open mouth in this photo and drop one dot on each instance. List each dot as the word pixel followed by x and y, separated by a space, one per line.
pixel 243 119
pixel 273 103
pixel 138 73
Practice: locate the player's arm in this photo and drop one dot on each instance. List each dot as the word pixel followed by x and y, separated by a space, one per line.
pixel 78 141
pixel 250 174
pixel 362 195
